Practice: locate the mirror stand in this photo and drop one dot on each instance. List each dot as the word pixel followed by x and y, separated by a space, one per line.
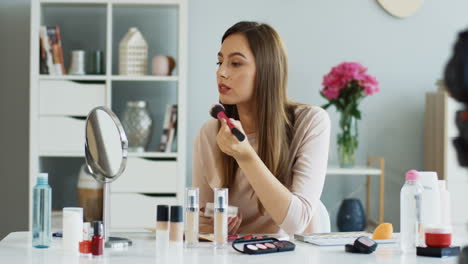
pixel 110 242
pixel 106 157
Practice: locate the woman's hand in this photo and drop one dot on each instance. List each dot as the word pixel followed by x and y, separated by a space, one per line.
pixel 230 145
pixel 233 223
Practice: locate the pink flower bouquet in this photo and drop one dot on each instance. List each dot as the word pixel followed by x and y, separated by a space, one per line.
pixel 344 87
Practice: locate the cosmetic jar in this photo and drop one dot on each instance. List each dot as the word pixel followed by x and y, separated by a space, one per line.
pixel 438 237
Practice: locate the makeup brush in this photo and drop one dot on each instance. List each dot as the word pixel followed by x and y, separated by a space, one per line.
pixel 218 111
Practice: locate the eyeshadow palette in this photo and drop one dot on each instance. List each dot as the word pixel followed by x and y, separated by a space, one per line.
pixel 262 245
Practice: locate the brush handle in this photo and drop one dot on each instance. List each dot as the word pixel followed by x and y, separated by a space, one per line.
pixel 239 135
pixel 236 132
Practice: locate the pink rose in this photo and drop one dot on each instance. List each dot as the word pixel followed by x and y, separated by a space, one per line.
pixel 370 85
pixel 331 94
pixel 339 77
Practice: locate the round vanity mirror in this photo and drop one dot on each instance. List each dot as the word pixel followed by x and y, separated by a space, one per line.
pixel 106 145
pixel 106 157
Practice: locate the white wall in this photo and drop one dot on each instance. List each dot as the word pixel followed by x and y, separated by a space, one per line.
pixel 406 55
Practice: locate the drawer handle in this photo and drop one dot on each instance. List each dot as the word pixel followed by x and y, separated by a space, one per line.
pixel 159 159
pixel 159 194
pixel 83 118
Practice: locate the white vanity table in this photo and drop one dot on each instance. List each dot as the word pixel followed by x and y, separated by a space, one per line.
pixel 16 248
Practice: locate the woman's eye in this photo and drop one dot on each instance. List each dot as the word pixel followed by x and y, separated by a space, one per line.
pixel 219 63
pixel 236 64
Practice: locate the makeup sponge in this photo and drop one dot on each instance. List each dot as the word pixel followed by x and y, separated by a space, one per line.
pixel 383 231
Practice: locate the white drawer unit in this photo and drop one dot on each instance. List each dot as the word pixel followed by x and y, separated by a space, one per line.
pixel 63 97
pixel 135 210
pixel 148 176
pixel 61 134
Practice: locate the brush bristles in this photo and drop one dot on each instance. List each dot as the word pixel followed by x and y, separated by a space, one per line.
pixel 216 109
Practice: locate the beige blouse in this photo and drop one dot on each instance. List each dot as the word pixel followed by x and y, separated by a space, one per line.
pixel 308 160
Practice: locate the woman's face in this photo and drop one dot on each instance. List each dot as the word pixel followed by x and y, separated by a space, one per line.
pixel 236 72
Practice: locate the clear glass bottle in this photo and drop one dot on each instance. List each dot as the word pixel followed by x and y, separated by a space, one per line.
pixel 42 209
pixel 411 229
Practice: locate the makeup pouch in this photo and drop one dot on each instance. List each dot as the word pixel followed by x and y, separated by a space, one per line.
pixel 262 245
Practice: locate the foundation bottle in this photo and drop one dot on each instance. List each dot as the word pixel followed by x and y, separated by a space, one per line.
pixel 191 216
pixel 176 233
pixel 162 224
pixel 220 217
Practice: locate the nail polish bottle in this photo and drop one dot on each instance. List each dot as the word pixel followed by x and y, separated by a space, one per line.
pixel 97 244
pixel 220 217
pixel 191 216
pixel 162 224
pixel 176 233
pixel 85 245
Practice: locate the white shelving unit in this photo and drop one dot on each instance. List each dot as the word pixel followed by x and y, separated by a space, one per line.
pixel 375 167
pixel 59 104
pixel 358 170
pixel 440 154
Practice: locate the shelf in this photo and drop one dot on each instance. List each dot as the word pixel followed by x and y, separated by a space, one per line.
pixel 144 78
pixel 359 170
pixel 130 154
pixel 117 2
pixel 62 154
pixel 153 154
pixel 73 77
pixel 113 78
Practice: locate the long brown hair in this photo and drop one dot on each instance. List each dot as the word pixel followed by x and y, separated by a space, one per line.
pixel 274 112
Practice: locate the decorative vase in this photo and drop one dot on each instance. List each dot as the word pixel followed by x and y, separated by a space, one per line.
pixel 347 140
pixel 133 53
pixel 163 65
pixel 89 195
pixel 78 62
pixel 351 216
pixel 137 124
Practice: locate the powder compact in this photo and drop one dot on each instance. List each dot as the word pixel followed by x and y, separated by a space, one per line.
pixel 263 245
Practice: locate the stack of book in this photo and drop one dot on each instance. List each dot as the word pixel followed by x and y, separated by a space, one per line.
pixel 169 129
pixel 51 54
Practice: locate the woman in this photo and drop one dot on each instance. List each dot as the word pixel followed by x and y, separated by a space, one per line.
pixel 275 177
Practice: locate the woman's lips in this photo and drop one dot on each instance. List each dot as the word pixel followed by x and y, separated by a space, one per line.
pixel 223 89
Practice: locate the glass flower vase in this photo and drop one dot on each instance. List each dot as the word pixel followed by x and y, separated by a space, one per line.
pixel 347 140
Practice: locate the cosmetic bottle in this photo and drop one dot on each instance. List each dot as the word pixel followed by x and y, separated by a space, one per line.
pixel 176 233
pixel 162 224
pixel 220 217
pixel 85 245
pixel 411 228
pixel 97 244
pixel 42 209
pixel 72 222
pixel 191 216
